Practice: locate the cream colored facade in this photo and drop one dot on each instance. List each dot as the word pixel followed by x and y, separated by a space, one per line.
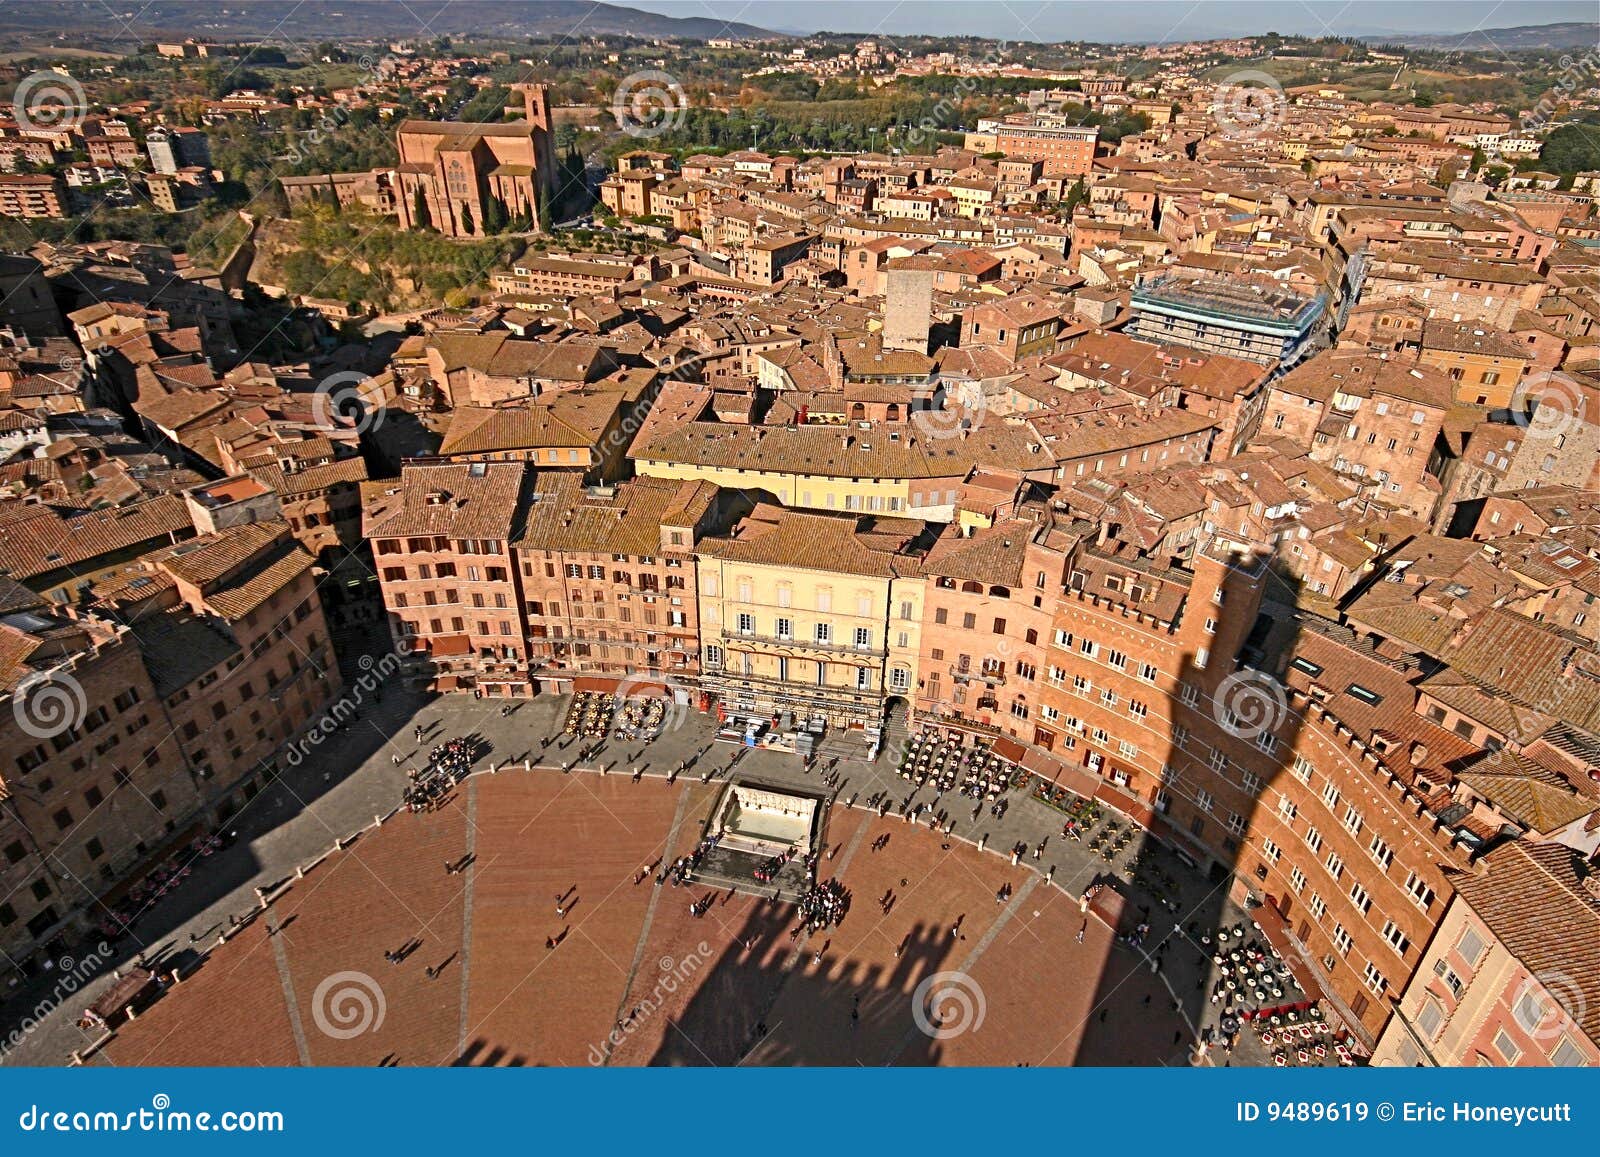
pixel 972 202
pixel 811 641
pixel 806 491
pixel 1472 1002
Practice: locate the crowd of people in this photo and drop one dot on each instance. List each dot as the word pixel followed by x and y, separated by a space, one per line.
pixel 448 764
pixel 768 870
pixel 824 905
pixel 681 870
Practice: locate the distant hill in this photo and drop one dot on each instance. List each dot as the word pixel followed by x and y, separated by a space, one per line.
pixel 314 21
pixel 1524 36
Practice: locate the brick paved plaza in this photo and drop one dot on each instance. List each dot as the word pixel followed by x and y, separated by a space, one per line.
pixel 704 986
pixel 729 987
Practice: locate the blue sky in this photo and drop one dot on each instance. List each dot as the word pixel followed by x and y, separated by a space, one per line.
pixel 1139 20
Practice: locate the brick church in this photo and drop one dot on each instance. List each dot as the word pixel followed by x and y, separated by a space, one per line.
pixel 455 176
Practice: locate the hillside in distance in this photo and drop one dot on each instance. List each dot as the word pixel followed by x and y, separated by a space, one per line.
pixel 1520 38
pixel 288 24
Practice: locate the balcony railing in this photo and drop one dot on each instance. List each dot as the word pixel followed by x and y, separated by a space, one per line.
pixel 802 644
pixel 980 675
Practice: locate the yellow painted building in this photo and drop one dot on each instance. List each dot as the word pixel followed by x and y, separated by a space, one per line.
pixel 813 614
pixel 1486 367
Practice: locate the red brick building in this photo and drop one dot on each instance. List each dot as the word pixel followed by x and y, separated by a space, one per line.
pixel 608 578
pixel 450 172
pixel 441 542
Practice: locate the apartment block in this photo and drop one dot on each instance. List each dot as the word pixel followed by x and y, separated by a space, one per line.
pixel 813 614
pixel 442 544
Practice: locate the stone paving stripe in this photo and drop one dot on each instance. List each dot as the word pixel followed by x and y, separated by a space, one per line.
pixel 855 844
pixel 650 910
pixel 281 955
pixel 466 910
pixel 978 949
